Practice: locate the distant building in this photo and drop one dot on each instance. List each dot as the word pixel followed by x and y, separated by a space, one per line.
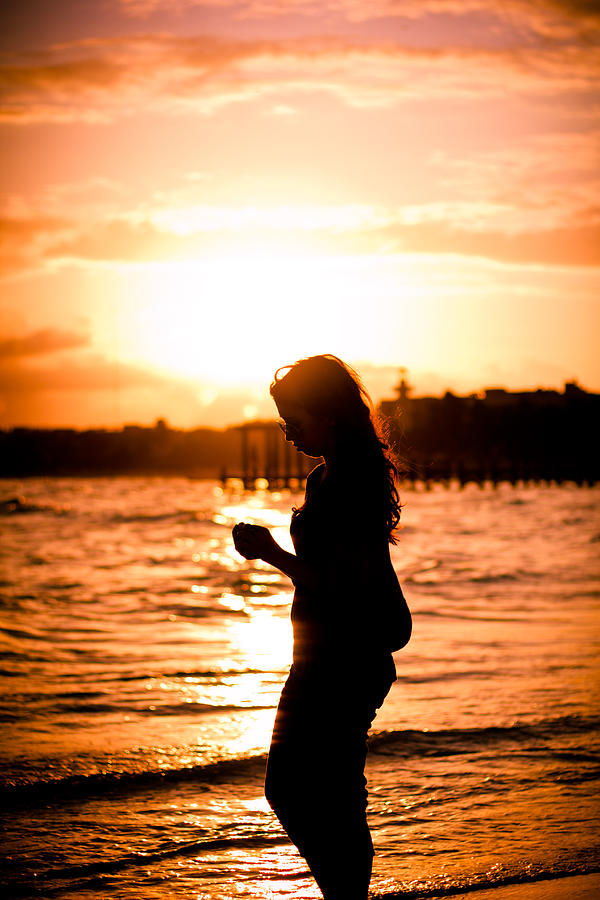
pixel 411 408
pixel 535 434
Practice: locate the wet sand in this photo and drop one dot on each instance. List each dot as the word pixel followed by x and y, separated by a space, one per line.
pixel 578 887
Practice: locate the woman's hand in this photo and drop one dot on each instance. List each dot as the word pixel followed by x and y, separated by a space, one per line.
pixel 254 541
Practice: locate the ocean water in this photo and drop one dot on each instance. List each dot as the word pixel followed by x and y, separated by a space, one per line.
pixel 142 660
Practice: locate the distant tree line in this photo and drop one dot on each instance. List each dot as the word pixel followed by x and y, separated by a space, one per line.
pixel 134 449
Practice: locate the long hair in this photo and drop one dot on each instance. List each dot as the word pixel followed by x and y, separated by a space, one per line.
pixel 328 388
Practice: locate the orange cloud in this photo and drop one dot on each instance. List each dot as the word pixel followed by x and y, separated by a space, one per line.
pixel 93 373
pixel 123 76
pixel 558 18
pixel 94 391
pixel 87 391
pixel 122 240
pixel 577 246
pixel 42 341
pixel 24 240
pixel 574 244
pixel 541 180
pixel 365 9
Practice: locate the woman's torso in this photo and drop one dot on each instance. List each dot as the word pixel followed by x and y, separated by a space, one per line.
pixel 358 607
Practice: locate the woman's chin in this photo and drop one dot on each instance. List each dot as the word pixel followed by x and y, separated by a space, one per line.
pixel 308 451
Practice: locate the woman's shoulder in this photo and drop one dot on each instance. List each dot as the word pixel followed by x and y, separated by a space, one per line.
pixel 352 486
pixel 315 476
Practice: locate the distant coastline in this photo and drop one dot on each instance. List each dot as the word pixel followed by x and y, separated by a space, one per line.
pixel 543 434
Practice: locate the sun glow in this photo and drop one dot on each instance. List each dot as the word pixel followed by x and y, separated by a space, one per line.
pixel 232 319
pixel 281 218
pixel 221 318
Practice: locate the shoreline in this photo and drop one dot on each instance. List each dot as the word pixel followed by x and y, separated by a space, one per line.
pixel 567 887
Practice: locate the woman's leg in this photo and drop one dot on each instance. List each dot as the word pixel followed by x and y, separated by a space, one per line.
pixel 320 799
pixel 288 777
pixel 315 777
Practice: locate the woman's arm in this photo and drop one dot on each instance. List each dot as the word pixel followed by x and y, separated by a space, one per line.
pixel 257 542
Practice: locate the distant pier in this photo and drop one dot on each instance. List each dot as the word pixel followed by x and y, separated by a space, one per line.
pixel 523 473
pixel 270 462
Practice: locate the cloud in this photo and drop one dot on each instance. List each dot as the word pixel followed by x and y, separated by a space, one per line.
pixel 538 181
pixel 502 232
pixel 94 391
pixel 42 341
pixel 124 241
pixel 25 239
pixel 92 373
pixel 528 201
pixel 547 18
pixel 57 90
pixel 356 8
pixel 92 197
pixel 85 392
pixel 97 80
pixel 577 246
pixel 32 244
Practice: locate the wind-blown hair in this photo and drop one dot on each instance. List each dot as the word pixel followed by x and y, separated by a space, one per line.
pixel 328 388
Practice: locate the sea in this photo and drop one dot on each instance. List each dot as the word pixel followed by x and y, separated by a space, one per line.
pixel 142 661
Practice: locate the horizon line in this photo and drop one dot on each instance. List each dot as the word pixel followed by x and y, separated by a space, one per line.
pixel 162 422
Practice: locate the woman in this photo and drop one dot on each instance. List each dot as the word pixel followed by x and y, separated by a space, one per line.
pixel 348 615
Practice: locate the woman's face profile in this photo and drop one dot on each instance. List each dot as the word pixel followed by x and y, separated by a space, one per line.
pixel 308 433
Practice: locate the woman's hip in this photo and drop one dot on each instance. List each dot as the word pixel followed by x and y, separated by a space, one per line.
pixel 320 702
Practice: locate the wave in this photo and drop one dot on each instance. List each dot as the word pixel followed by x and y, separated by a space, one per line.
pixel 112 677
pixel 453 741
pixel 475 617
pixel 82 876
pixel 166 709
pixel 93 872
pixel 534 737
pixel 443 675
pixel 428 575
pixel 490 578
pixel 174 515
pixel 20 634
pixel 87 706
pixel 69 786
pixel 198 611
pixel 16 505
pixel 181 673
pixel 485 883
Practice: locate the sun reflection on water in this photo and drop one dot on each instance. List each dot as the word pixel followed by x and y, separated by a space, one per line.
pixel 256 733
pixel 264 642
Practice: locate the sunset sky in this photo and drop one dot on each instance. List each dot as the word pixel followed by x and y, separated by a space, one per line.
pixel 194 193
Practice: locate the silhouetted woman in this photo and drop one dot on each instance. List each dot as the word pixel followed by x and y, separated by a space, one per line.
pixel 348 616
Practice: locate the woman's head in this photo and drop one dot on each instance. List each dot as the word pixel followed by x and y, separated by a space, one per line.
pixel 322 400
pixel 327 411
